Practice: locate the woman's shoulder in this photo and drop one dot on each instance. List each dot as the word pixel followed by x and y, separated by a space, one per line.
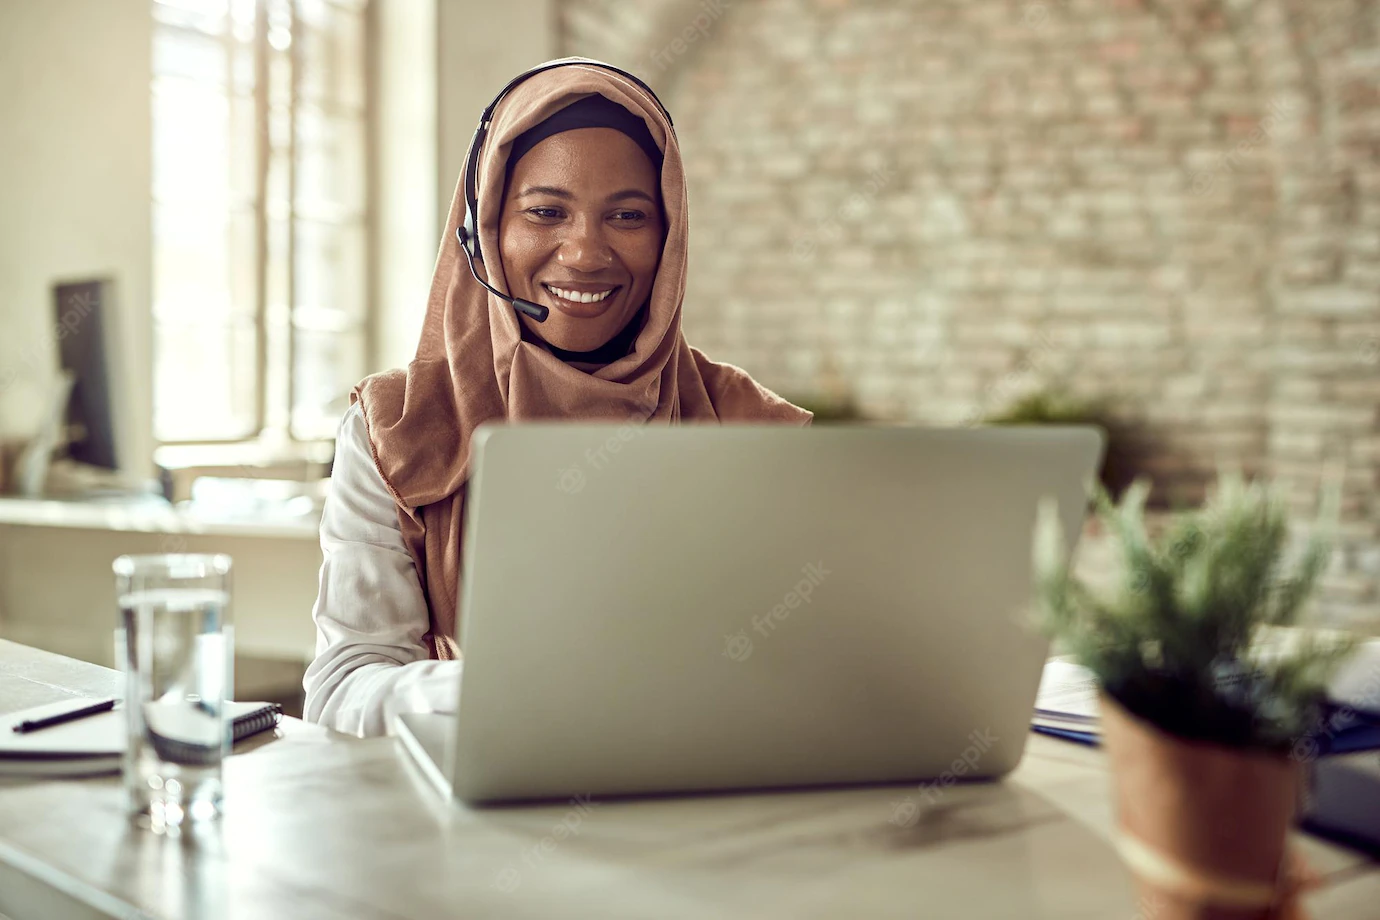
pixel 352 438
pixel 354 466
pixel 737 397
pixel 352 422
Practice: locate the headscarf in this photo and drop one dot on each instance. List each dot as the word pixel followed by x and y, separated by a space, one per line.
pixel 473 365
pixel 589 112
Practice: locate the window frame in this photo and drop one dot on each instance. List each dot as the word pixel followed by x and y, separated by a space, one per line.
pixel 273 440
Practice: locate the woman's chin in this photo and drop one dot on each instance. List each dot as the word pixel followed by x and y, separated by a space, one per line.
pixel 570 334
pixel 580 327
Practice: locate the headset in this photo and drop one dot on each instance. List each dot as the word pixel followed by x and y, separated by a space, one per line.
pixel 467 232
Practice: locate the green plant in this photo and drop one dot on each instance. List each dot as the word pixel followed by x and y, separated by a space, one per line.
pixel 1056 406
pixel 1050 407
pixel 1178 641
pixel 827 410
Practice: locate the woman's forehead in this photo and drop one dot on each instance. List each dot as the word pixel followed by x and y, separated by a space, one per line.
pixel 586 162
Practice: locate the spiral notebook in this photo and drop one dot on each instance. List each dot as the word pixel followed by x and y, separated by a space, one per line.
pixel 96 744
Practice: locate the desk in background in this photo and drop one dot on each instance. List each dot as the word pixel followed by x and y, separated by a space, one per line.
pixel 321 825
pixel 57 591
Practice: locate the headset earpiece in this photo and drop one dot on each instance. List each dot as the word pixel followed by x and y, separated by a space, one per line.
pixel 469 239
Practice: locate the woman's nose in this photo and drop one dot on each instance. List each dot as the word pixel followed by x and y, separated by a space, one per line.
pixel 585 249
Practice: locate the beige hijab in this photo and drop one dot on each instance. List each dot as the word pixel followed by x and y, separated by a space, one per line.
pixel 473 366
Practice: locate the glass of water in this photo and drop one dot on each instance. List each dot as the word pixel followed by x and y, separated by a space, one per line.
pixel 175 645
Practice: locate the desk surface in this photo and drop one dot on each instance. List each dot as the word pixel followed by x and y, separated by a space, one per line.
pixel 321 825
pixel 142 516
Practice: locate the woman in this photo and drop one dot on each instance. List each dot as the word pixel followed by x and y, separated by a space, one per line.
pixel 581 195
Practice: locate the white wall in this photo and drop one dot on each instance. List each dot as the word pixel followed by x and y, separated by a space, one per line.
pixel 481 46
pixel 75 166
pixel 404 200
pixel 437 63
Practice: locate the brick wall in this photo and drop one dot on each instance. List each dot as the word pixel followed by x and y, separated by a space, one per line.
pixel 937 206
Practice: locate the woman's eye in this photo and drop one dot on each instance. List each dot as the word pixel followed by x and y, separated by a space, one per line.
pixel 629 216
pixel 545 213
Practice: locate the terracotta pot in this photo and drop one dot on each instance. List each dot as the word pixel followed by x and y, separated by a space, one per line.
pixel 1203 828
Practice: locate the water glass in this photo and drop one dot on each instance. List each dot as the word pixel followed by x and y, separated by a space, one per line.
pixel 175 645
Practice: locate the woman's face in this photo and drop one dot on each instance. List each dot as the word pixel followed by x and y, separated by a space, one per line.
pixel 581 232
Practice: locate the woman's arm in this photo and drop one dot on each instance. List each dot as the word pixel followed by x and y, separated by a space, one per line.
pixel 370 613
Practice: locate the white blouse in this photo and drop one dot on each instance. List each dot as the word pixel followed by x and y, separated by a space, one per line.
pixel 370 613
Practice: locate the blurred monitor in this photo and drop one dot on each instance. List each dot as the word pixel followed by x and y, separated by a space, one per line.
pixel 84 328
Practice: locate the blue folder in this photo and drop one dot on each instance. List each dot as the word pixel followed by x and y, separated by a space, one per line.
pixel 1347 735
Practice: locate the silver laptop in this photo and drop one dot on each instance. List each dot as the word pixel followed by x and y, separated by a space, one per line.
pixel 657 610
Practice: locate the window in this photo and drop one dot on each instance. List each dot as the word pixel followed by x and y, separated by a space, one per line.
pixel 260 284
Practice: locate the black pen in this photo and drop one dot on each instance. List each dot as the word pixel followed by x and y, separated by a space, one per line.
pixel 33 725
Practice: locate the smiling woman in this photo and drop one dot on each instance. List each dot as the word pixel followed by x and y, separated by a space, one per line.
pixel 582 226
pixel 574 188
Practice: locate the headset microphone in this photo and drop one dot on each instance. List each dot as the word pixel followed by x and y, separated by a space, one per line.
pixel 526 307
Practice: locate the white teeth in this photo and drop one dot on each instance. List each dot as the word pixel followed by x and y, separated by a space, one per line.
pixel 577 296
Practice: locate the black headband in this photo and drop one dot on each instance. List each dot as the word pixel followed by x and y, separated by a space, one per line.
pixel 590 112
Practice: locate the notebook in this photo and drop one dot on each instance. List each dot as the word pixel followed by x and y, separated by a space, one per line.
pixel 95 744
pixel 1066 705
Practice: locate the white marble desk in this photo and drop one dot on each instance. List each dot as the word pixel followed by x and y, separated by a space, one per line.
pixel 320 825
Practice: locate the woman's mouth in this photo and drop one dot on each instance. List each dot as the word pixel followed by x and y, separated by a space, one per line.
pixel 583 302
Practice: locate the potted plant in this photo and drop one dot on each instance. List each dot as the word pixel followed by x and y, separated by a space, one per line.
pixel 1056 406
pixel 1203 695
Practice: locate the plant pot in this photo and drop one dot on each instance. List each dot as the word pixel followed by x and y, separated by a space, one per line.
pixel 1203 828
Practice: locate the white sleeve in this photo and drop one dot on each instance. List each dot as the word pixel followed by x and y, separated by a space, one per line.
pixel 370 613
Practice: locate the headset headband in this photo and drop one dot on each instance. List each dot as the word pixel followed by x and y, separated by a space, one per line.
pixel 468 232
